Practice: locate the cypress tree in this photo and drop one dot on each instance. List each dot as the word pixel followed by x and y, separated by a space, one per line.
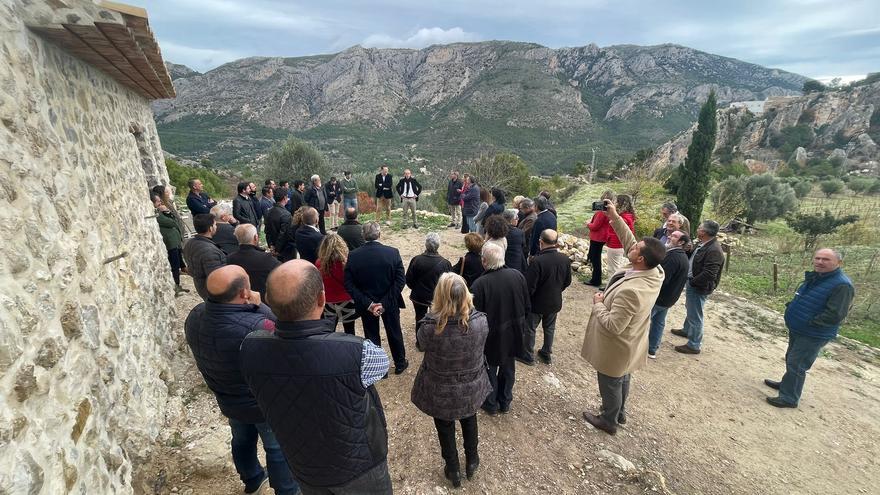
pixel 694 187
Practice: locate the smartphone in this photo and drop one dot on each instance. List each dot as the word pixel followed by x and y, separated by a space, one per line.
pixel 599 206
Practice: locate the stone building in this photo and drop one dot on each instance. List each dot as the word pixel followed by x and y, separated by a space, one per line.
pixel 86 299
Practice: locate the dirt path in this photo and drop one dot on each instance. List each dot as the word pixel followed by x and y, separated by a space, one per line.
pixel 697 424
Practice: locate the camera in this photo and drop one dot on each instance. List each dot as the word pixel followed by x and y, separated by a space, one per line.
pixel 599 206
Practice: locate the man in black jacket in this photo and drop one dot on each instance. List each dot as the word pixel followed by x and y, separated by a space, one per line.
pixel 316 387
pixel 547 276
pixel 545 220
pixel 704 274
pixel 374 277
pixel 214 331
pixel 351 231
pixel 453 199
pixel 250 256
pixel 408 188
pixel 515 256
pixel 316 197
pixel 308 237
pixel 198 202
pixel 675 268
pixel 384 194
pixel 201 254
pixel 243 206
pixel 277 218
pixel 296 196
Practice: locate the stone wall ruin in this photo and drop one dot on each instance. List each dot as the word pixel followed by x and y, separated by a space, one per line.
pixel 83 340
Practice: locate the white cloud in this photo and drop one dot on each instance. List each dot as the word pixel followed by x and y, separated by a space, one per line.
pixel 252 14
pixel 200 59
pixel 421 38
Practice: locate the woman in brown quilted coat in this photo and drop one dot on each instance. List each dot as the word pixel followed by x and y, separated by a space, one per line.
pixel 452 382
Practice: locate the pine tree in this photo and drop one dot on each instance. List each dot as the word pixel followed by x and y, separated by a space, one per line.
pixel 694 186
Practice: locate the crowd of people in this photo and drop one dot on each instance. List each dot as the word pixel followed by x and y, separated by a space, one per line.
pixel 266 341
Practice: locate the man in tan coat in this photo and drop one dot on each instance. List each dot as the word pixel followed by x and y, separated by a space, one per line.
pixel 616 343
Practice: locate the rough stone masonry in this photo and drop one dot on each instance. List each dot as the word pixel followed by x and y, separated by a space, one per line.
pixel 83 343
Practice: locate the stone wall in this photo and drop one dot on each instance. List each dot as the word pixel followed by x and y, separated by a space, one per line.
pixel 83 340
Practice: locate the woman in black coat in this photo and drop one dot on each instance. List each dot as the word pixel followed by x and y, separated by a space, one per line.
pixel 452 382
pixel 422 275
pixel 470 266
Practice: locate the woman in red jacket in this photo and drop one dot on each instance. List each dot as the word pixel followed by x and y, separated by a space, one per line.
pixel 332 256
pixel 599 228
pixel 616 254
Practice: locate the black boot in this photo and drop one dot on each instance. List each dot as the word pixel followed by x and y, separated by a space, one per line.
pixel 453 474
pixel 473 462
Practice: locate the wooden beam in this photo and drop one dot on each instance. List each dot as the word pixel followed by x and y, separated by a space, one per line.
pixel 121 37
pixel 124 8
pixel 144 36
pixel 76 47
pixel 94 38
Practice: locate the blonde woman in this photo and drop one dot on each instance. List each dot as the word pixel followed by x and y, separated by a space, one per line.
pixel 452 382
pixel 339 307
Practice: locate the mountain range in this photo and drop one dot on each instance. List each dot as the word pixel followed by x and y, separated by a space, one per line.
pixel 447 103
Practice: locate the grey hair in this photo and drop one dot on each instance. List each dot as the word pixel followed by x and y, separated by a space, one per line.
pixel 837 254
pixel 432 242
pixel 509 214
pixel 710 227
pixel 220 210
pixel 541 203
pixel 669 205
pixel 314 178
pixel 245 233
pixel 527 203
pixel 678 217
pixel 493 256
pixel 372 231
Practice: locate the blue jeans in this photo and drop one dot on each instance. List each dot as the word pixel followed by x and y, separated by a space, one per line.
pixel 800 356
pixel 349 203
pixel 693 323
pixel 472 225
pixel 658 323
pixel 244 456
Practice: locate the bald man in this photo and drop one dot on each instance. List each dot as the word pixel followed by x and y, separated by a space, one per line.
pixel 813 318
pixel 250 256
pixel 316 386
pixel 214 332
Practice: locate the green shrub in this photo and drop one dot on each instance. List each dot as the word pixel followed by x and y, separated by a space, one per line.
pixel 767 197
pixel 294 159
pixel 812 226
pixel 728 199
pixel 831 186
pixel 179 175
pixel 859 185
pixel 802 188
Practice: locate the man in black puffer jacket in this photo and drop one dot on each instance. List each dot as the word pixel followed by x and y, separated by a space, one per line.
pixel 214 332
pixel 316 387
pixel 675 268
pixel 422 274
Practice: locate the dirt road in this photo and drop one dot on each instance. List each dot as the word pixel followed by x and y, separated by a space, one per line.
pixel 696 424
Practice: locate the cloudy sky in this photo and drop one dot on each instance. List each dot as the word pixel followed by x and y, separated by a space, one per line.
pixel 816 38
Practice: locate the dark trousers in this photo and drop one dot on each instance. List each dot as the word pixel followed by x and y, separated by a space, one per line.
pixel 421 310
pixel 614 391
pixel 391 320
pixel 175 259
pixel 548 323
pixel 376 481
pixel 595 257
pixel 799 357
pixel 446 434
pixel 321 223
pixel 244 456
pixel 501 378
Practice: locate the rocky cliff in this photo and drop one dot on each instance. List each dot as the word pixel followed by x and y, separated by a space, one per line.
pixel 843 123
pixel 504 91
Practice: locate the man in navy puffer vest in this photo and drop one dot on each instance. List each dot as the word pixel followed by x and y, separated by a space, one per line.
pixel 214 331
pixel 315 387
pixel 813 318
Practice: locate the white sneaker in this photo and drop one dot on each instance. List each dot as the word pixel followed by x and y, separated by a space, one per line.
pixel 260 489
pixel 652 356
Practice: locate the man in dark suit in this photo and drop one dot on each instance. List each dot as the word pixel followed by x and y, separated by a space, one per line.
pixel 243 206
pixel 256 262
pixel 198 202
pixel 308 237
pixel 548 275
pixel 351 231
pixel 384 194
pixel 316 197
pixel 277 218
pixel 545 220
pixel 703 276
pixel 374 277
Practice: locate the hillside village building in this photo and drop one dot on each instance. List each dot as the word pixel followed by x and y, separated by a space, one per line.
pixel 86 302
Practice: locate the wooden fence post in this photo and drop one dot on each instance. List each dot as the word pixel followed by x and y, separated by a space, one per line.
pixel 775 277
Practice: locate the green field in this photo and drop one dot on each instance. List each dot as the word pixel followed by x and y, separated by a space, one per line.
pixel 750 273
